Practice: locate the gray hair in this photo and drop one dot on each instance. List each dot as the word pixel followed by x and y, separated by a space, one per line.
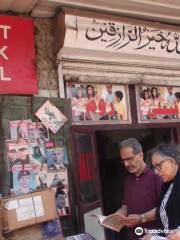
pixel 167 151
pixel 132 143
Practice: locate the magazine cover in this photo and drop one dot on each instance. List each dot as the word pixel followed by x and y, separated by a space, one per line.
pixel 17 152
pixel 56 178
pixel 41 177
pixel 37 153
pixel 24 180
pixel 52 229
pixel 37 132
pixel 51 116
pixel 62 201
pixel 55 156
pixel 19 128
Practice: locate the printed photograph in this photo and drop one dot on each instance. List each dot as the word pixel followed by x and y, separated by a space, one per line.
pixel 158 103
pixel 92 102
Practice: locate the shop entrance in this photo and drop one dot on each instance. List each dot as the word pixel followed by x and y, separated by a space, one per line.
pixel 112 173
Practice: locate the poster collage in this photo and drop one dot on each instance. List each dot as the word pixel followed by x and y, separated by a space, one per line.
pixel 94 102
pixel 36 162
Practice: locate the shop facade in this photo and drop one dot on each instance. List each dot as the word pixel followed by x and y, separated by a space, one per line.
pixel 131 57
pixel 99 50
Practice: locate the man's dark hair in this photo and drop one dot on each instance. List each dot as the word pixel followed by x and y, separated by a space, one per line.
pixel 119 94
pixel 132 143
pixel 60 191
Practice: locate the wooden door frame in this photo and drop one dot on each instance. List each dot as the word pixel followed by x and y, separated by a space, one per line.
pixel 80 208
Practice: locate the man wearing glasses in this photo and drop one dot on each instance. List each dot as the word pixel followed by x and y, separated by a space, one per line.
pixel 142 188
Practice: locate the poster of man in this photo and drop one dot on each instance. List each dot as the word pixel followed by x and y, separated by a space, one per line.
pixel 94 103
pixel 158 103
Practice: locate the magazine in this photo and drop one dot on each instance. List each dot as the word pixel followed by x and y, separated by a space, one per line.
pixel 55 156
pixel 37 153
pixel 37 132
pixel 19 128
pixel 24 180
pixel 57 178
pixel 41 177
pixel 52 229
pixel 51 117
pixel 17 152
pixel 114 221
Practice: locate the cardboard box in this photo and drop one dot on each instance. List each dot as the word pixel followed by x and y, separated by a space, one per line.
pixel 37 232
pixel 29 209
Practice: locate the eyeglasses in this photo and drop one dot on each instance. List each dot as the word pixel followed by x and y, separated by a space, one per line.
pixel 129 159
pixel 158 166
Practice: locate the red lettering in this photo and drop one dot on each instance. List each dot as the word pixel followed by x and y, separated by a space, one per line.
pixel 87 167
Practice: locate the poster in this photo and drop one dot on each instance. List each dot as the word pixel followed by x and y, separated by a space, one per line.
pixel 51 117
pixel 158 103
pixel 95 103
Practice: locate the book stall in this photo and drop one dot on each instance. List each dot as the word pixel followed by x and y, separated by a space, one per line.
pixel 39 192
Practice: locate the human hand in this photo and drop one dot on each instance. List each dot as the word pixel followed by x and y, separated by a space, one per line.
pixel 133 220
pixel 174 235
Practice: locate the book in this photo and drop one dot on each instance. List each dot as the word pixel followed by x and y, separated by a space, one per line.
pixel 52 229
pixel 115 221
pixel 84 236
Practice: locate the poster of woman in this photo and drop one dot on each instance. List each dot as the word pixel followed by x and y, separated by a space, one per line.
pixel 158 103
pixel 95 103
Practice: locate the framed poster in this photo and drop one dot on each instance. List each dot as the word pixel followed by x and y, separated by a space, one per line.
pixel 158 103
pixel 98 103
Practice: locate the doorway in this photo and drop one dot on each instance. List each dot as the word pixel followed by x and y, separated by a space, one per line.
pixel 113 174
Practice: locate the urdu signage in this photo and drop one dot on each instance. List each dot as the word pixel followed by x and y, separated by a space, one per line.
pixel 17 56
pixel 119 37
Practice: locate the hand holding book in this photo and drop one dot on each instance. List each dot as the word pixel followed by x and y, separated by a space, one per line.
pixel 114 221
